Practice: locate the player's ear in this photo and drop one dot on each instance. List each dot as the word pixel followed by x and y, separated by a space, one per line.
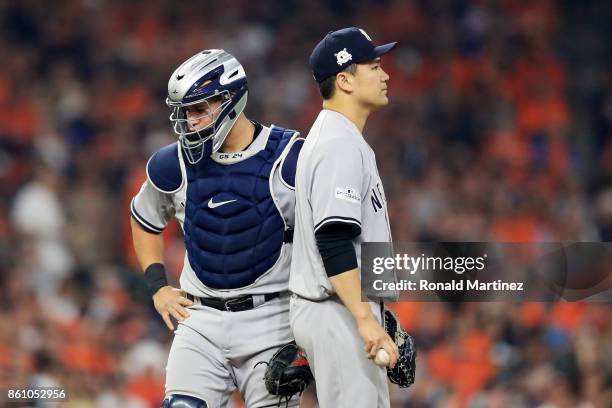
pixel 344 81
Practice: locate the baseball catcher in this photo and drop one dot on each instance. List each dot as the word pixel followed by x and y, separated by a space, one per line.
pixel 288 372
pixel 403 372
pixel 229 182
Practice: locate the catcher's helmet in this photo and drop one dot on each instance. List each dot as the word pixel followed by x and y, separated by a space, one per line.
pixel 209 75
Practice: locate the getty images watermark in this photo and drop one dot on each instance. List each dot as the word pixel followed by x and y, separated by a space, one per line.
pixel 422 263
pixel 481 271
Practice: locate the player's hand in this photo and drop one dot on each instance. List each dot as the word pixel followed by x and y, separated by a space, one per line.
pixel 375 338
pixel 169 301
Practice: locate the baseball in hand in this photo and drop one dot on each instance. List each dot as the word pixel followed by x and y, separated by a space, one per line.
pixel 382 358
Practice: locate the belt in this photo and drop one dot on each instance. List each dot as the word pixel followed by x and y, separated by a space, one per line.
pixel 238 304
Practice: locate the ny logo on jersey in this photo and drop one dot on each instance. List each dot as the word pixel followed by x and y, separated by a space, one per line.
pixel 377 198
pixel 343 56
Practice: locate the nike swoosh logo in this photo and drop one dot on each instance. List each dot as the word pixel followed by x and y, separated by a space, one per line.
pixel 179 77
pixel 219 204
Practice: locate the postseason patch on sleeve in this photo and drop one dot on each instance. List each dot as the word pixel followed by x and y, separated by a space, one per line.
pixel 348 194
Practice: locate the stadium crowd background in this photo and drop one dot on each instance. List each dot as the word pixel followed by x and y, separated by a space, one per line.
pixel 500 128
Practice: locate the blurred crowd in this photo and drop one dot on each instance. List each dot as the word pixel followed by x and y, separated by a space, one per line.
pixel 499 129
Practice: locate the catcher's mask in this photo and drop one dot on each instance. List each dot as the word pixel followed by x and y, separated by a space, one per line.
pixel 213 85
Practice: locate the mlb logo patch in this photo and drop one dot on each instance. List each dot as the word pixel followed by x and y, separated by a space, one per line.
pixel 348 194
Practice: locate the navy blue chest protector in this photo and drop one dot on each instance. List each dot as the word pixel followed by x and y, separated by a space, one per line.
pixel 233 230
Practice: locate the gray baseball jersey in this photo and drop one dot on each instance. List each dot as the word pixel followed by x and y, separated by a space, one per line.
pixel 336 181
pixel 155 209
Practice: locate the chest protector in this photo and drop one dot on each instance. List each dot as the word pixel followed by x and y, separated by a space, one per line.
pixel 234 230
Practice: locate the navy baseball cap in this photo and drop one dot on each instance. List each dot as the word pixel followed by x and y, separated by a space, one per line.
pixel 341 48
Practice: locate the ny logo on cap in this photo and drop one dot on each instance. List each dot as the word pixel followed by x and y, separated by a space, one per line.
pixel 343 56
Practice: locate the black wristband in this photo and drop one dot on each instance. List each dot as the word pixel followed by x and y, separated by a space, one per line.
pixel 155 276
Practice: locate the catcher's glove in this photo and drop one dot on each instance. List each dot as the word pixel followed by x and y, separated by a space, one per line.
pixel 288 372
pixel 403 372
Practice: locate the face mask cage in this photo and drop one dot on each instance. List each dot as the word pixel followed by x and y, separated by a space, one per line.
pixel 193 137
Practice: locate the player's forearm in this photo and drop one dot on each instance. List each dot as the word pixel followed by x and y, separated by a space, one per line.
pixel 149 247
pixel 348 287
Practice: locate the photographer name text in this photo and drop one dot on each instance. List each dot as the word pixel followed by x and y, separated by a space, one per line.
pixel 452 285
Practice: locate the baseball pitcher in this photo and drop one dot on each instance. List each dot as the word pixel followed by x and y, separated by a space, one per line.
pixel 340 202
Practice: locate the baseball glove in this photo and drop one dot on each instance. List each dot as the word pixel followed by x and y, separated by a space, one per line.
pixel 403 372
pixel 288 372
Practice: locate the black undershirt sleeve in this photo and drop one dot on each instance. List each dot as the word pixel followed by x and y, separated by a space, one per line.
pixel 335 243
